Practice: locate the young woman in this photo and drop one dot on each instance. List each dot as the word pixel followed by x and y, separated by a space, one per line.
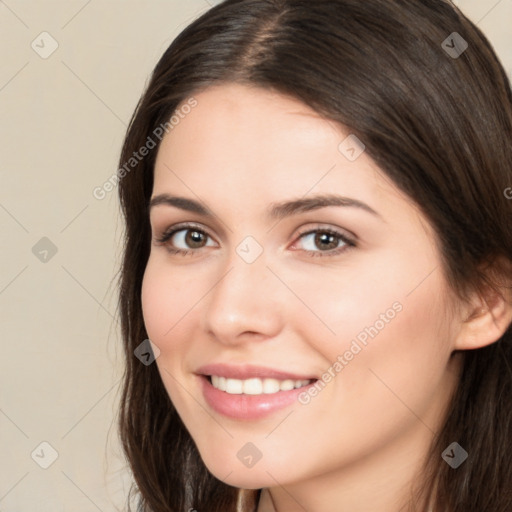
pixel 319 247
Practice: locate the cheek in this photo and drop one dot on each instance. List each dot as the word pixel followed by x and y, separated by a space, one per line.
pixel 398 373
pixel 382 330
pixel 155 302
pixel 355 302
pixel 167 297
pixel 168 310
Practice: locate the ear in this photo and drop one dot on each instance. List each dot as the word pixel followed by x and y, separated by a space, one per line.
pixel 485 319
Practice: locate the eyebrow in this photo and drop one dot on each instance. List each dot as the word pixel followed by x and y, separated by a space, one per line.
pixel 276 211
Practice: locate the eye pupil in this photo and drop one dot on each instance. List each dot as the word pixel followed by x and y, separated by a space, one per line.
pixel 326 238
pixel 194 238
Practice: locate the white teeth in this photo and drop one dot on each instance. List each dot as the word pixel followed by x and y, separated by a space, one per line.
pixel 234 386
pixel 286 385
pixel 219 382
pixel 255 386
pixel 270 386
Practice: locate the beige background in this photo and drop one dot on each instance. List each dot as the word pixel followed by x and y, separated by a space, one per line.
pixel 63 119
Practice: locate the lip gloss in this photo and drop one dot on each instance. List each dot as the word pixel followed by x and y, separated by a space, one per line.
pixel 247 407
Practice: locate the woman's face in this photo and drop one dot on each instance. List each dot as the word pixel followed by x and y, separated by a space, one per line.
pixel 277 276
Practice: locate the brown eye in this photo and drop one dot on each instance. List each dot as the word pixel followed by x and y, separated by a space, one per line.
pixel 185 239
pixel 324 242
pixel 194 238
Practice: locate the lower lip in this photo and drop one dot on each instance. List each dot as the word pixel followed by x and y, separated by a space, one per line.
pixel 248 407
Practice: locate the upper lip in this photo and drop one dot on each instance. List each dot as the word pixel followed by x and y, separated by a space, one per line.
pixel 248 371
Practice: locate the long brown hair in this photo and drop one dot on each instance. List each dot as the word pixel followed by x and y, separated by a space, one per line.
pixel 438 124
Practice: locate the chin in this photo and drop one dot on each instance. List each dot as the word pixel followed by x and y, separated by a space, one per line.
pixel 234 473
pixel 243 479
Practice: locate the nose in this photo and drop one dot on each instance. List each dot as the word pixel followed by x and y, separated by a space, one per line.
pixel 246 303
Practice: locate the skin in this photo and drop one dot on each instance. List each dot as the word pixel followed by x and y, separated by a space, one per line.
pixel 359 442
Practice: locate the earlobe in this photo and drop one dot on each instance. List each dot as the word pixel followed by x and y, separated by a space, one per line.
pixel 487 321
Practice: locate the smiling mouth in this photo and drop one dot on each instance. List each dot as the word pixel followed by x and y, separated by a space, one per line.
pixel 255 385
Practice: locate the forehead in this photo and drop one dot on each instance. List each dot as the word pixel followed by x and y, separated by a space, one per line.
pixel 244 146
pixel 242 121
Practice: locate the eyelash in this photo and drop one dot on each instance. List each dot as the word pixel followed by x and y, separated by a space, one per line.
pixel 168 234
